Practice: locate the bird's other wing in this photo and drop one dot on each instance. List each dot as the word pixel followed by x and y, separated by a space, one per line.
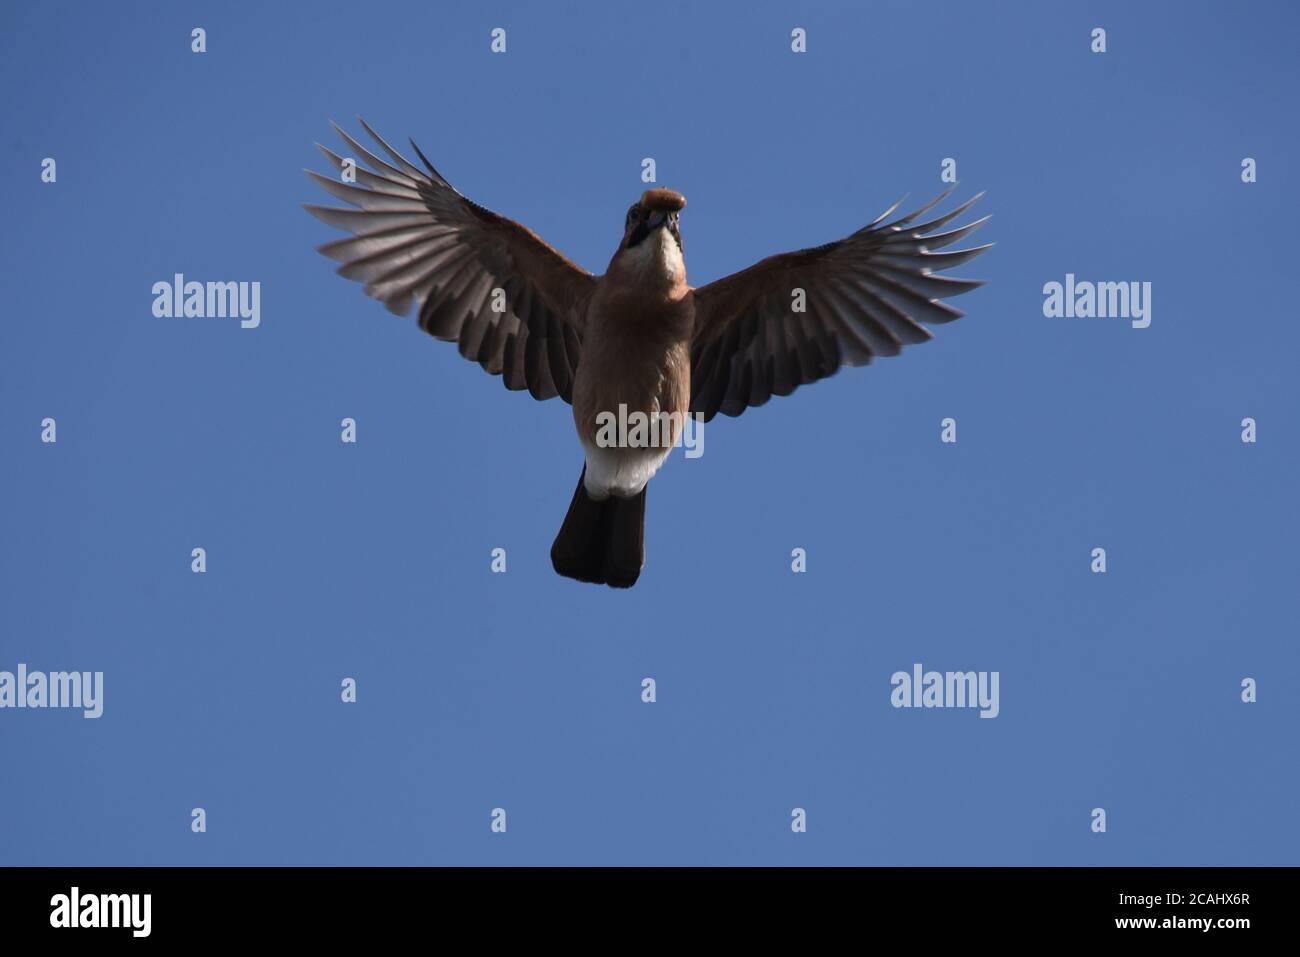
pixel 864 296
pixel 416 240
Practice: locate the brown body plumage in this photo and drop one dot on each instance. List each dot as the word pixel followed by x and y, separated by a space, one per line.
pixel 637 346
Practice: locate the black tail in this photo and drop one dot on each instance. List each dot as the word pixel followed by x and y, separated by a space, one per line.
pixel 601 542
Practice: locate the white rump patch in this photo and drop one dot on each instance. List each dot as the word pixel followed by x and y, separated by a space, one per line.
pixel 621 472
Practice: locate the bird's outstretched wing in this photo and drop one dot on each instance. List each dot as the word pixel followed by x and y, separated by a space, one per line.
pixel 863 296
pixel 514 304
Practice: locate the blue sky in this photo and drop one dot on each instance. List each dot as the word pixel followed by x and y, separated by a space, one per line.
pixel 522 690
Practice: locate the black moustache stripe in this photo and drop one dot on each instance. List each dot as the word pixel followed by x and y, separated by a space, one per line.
pixel 641 231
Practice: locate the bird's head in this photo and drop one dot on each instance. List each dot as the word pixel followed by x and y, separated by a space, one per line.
pixel 652 237
pixel 656 209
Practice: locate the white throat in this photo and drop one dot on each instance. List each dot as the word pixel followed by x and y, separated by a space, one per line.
pixel 657 259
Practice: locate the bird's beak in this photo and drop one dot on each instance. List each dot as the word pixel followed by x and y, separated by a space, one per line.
pixel 656 219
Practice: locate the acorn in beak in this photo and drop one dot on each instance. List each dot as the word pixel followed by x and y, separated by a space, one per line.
pixel 667 200
pixel 657 208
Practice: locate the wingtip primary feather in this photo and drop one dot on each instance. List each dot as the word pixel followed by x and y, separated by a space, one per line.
pixel 887 213
pixel 425 160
